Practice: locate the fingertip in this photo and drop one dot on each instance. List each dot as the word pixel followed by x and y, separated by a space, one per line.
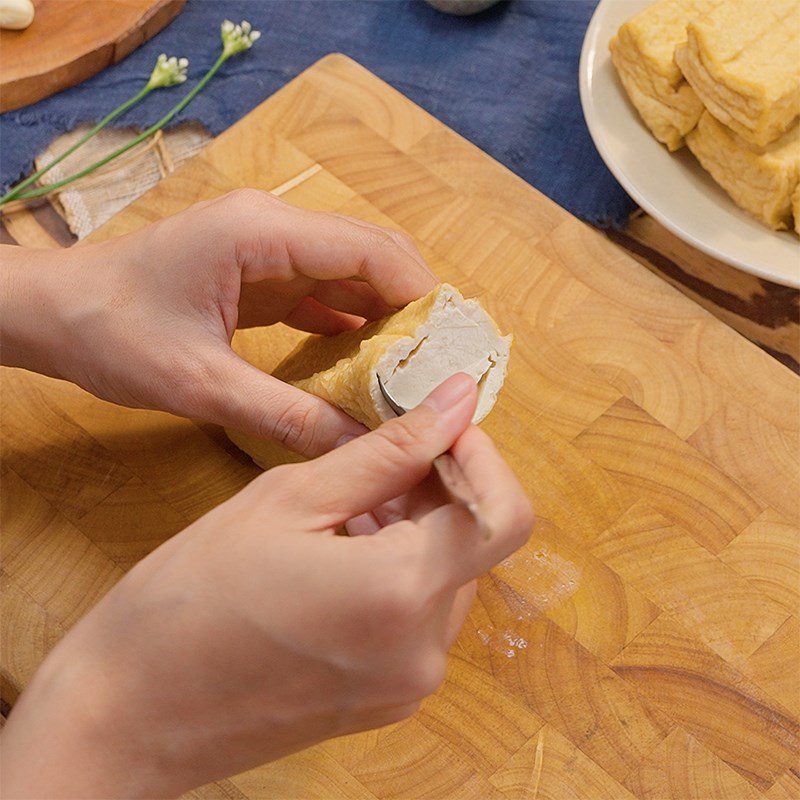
pixel 472 439
pixel 314 317
pixel 398 276
pixel 342 440
pixel 451 392
pixel 441 417
pixel 338 429
pixel 362 525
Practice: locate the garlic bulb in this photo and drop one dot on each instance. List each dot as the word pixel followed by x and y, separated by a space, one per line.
pixel 16 14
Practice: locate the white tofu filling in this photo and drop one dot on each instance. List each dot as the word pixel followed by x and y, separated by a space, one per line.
pixel 458 336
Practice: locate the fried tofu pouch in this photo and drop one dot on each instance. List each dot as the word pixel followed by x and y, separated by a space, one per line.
pixel 761 180
pixel 643 54
pixel 413 350
pixel 742 58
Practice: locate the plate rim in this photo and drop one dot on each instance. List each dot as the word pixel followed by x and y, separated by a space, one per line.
pixel 585 78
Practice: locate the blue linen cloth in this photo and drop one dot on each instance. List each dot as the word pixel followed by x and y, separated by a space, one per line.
pixel 506 79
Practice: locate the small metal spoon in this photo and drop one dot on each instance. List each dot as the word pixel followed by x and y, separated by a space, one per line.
pixel 450 474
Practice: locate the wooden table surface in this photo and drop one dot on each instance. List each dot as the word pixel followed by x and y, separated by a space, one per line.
pixel 643 644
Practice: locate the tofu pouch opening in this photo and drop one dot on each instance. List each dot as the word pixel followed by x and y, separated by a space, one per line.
pixel 413 351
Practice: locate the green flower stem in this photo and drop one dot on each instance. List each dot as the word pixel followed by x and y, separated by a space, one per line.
pixel 156 126
pixel 14 191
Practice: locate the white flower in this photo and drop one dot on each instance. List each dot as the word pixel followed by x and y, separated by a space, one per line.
pixel 168 71
pixel 236 38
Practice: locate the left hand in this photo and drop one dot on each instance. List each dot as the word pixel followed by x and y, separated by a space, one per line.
pixel 146 320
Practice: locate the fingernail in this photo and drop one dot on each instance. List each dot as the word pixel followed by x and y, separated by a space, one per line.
pixel 445 396
pixel 348 437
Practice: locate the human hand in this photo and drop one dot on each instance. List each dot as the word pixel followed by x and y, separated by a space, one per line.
pixel 146 320
pixel 257 631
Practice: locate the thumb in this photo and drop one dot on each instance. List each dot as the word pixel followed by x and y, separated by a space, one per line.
pixel 386 463
pixel 238 395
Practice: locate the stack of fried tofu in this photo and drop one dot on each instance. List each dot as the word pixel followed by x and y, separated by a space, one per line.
pixel 723 77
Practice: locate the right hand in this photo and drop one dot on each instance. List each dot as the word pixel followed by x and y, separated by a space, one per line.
pixel 257 632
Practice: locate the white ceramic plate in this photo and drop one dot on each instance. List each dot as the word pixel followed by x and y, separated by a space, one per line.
pixel 672 187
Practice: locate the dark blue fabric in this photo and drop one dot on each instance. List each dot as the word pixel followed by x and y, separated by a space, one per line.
pixel 506 79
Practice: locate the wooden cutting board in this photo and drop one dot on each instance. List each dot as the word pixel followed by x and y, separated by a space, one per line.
pixel 644 644
pixel 71 40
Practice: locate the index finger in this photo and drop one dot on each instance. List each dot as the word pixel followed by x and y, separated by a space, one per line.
pixel 456 545
pixel 295 242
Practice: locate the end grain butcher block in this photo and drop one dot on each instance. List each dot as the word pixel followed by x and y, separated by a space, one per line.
pixel 644 644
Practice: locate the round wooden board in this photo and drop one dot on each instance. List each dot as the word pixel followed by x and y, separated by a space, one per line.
pixel 71 40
